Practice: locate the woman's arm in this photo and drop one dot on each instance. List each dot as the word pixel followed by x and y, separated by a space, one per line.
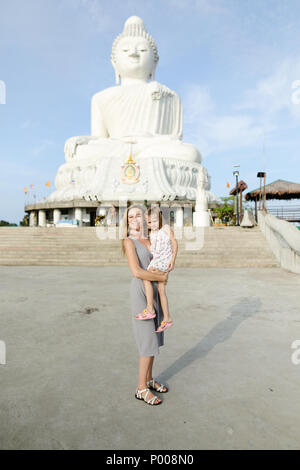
pixel 135 268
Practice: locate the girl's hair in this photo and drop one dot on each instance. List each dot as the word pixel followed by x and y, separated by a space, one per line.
pixel 155 211
pixel 124 227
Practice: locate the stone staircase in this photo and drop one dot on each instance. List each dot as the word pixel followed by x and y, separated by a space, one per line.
pixel 231 247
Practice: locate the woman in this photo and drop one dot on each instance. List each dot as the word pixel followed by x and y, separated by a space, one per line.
pixel 137 249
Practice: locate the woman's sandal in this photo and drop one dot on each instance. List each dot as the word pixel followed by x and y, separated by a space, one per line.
pixel 145 315
pixel 160 389
pixel 138 395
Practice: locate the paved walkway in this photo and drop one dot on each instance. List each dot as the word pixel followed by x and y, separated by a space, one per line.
pixel 70 376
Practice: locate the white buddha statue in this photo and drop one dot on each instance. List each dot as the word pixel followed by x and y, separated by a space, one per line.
pixel 138 117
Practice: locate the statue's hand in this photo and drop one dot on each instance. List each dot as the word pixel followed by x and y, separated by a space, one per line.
pixel 71 144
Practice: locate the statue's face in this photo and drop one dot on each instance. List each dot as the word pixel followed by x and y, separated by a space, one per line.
pixel 134 58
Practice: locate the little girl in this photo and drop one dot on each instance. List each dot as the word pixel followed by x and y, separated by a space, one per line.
pixel 164 250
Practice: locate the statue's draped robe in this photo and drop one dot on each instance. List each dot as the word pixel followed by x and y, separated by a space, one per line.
pixel 131 111
pixel 148 115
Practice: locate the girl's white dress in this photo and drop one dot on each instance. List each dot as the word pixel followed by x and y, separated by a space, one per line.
pixel 161 248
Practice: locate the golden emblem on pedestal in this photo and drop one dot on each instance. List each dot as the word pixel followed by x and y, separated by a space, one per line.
pixel 130 171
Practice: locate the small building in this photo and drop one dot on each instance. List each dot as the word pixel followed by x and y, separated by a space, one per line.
pixel 82 212
pixel 77 212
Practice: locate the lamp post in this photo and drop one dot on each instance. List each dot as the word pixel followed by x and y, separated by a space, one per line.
pixel 236 174
pixel 262 193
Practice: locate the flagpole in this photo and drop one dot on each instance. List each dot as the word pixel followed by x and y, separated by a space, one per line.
pixel 26 196
pixel 48 184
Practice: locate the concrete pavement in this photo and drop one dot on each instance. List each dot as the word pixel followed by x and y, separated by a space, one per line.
pixel 71 368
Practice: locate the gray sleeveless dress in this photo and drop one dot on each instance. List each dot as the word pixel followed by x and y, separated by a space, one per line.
pixel 148 342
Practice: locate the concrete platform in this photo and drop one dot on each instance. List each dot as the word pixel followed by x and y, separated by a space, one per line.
pixel 70 375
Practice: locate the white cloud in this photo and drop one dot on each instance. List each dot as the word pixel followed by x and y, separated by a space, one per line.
pixel 212 132
pixel 98 13
pixel 264 109
pixel 273 94
pixel 26 124
pixel 237 130
pixel 197 103
pixel 39 149
pixel 202 6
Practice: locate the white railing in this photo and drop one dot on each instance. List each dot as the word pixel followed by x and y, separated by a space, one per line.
pixel 289 213
pixel 283 238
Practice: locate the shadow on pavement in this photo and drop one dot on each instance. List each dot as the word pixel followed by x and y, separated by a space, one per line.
pixel 222 331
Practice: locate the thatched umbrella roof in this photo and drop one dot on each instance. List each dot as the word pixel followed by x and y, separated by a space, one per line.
pixel 241 187
pixel 279 189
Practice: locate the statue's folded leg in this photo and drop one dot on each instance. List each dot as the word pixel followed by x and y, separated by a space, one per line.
pixel 172 149
pixel 83 166
pixel 102 147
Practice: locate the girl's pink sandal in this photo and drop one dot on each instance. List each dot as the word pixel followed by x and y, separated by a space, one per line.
pixel 145 315
pixel 164 325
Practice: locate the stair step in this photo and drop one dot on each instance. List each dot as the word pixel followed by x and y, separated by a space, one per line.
pixel 81 246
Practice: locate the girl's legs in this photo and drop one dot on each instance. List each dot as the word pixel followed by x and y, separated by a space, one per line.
pixel 164 300
pixel 145 367
pixel 149 295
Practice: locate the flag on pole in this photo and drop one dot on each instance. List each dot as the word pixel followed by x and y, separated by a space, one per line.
pixel 32 186
pixel 25 190
pixel 228 185
pixel 47 184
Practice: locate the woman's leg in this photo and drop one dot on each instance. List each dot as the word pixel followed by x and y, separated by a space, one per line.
pixel 164 300
pixel 145 366
pixel 150 374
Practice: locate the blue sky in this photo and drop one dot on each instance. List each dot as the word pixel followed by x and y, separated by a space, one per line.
pixel 233 63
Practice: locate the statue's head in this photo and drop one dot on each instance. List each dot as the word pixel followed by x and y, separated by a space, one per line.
pixel 134 52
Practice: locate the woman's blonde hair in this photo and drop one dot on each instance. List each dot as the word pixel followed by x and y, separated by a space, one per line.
pixel 124 229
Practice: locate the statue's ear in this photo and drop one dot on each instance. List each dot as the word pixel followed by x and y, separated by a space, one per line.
pixel 152 74
pixel 118 77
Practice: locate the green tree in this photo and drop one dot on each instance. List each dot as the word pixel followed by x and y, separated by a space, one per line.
pixel 25 221
pixel 4 223
pixel 226 211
